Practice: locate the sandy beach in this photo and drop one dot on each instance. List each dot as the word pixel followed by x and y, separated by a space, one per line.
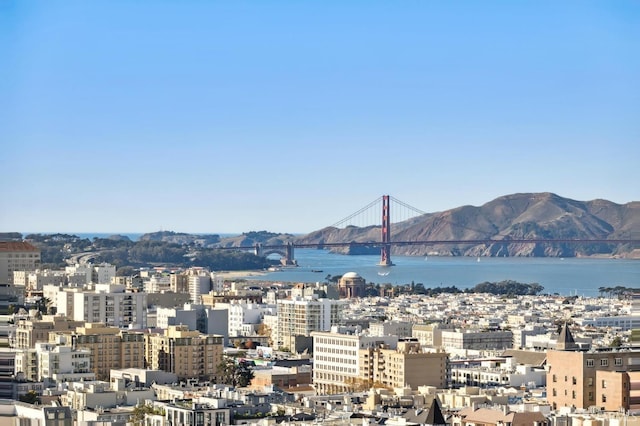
pixel 229 275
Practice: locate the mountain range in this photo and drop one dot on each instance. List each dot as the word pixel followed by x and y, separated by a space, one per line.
pixel 517 216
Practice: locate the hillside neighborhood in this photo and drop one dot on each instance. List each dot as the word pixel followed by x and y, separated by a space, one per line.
pixel 88 346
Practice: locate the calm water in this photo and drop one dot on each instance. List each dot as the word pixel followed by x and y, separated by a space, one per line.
pixel 564 276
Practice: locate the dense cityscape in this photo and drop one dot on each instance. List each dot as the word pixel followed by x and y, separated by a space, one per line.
pixel 86 345
pixel 327 212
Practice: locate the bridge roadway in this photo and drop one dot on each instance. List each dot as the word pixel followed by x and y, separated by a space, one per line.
pixel 435 242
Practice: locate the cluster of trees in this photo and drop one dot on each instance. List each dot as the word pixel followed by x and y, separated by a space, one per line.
pixel 124 253
pixel 618 291
pixel 508 287
pixel 234 372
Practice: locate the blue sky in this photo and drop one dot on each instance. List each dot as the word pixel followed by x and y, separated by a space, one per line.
pixel 199 116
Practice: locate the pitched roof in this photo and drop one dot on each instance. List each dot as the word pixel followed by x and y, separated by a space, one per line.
pixel 537 359
pixel 17 246
pixel 565 340
pixel 491 416
pixel 431 416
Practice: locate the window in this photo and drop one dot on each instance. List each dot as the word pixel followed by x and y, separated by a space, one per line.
pixel 590 363
pixel 574 380
pixel 590 381
pixel 573 394
pixel 604 398
pixel 555 379
pixel 590 396
pixel 555 393
pixel 604 362
pixel 618 361
pixel 604 384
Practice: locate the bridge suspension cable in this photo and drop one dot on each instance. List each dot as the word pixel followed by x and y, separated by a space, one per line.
pixel 348 219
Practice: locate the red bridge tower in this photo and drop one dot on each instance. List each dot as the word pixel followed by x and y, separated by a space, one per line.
pixel 385 250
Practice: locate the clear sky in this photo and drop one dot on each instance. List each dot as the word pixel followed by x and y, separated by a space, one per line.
pixel 287 116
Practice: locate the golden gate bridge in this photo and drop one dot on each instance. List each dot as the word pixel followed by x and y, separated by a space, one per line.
pixel 383 208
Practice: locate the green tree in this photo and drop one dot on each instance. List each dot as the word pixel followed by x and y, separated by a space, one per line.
pixel 616 342
pixel 236 374
pixel 140 412
pixel 30 397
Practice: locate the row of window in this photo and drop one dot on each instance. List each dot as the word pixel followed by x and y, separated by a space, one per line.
pixel 604 362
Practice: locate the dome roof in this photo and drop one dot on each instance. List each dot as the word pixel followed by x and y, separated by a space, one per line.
pixel 351 275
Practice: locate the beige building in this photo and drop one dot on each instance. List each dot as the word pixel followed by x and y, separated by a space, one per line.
pixel 17 256
pixel 406 365
pixel 583 379
pixel 429 334
pixel 109 347
pixel 31 331
pixel 188 354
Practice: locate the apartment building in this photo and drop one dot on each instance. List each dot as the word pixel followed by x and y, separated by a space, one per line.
pixel 301 316
pixel 17 256
pixel 401 329
pixel 33 281
pixel 476 339
pixel 60 362
pixel 188 354
pixel 582 379
pixel 110 347
pixel 337 362
pixel 244 316
pixel 405 365
pixel 111 305
pixel 430 335
pixel 32 330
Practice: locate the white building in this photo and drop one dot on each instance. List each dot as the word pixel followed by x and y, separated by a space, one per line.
pixel 499 373
pixel 389 328
pixel 244 316
pixel 35 280
pixel 111 305
pixel 78 270
pixel 157 283
pixel 103 273
pixel 58 362
pixel 301 316
pixel 198 285
pixel 336 357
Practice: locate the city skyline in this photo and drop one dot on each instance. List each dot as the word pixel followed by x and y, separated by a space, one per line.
pixel 237 116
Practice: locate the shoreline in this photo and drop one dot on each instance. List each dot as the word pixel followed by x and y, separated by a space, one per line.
pixel 239 274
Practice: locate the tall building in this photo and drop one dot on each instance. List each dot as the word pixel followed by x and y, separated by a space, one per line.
pixel 405 365
pixel 583 379
pixel 111 305
pixel 188 354
pixel 337 362
pixel 17 256
pixel 31 331
pixel 301 316
pixel 60 362
pixel 110 347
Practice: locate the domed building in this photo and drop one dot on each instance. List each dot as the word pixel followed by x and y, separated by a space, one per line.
pixel 351 285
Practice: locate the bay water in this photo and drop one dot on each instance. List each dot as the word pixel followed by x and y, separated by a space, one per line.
pixel 564 276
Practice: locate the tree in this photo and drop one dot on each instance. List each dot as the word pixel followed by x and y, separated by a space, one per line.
pixel 616 342
pixel 236 374
pixel 43 305
pixel 140 412
pixel 30 397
